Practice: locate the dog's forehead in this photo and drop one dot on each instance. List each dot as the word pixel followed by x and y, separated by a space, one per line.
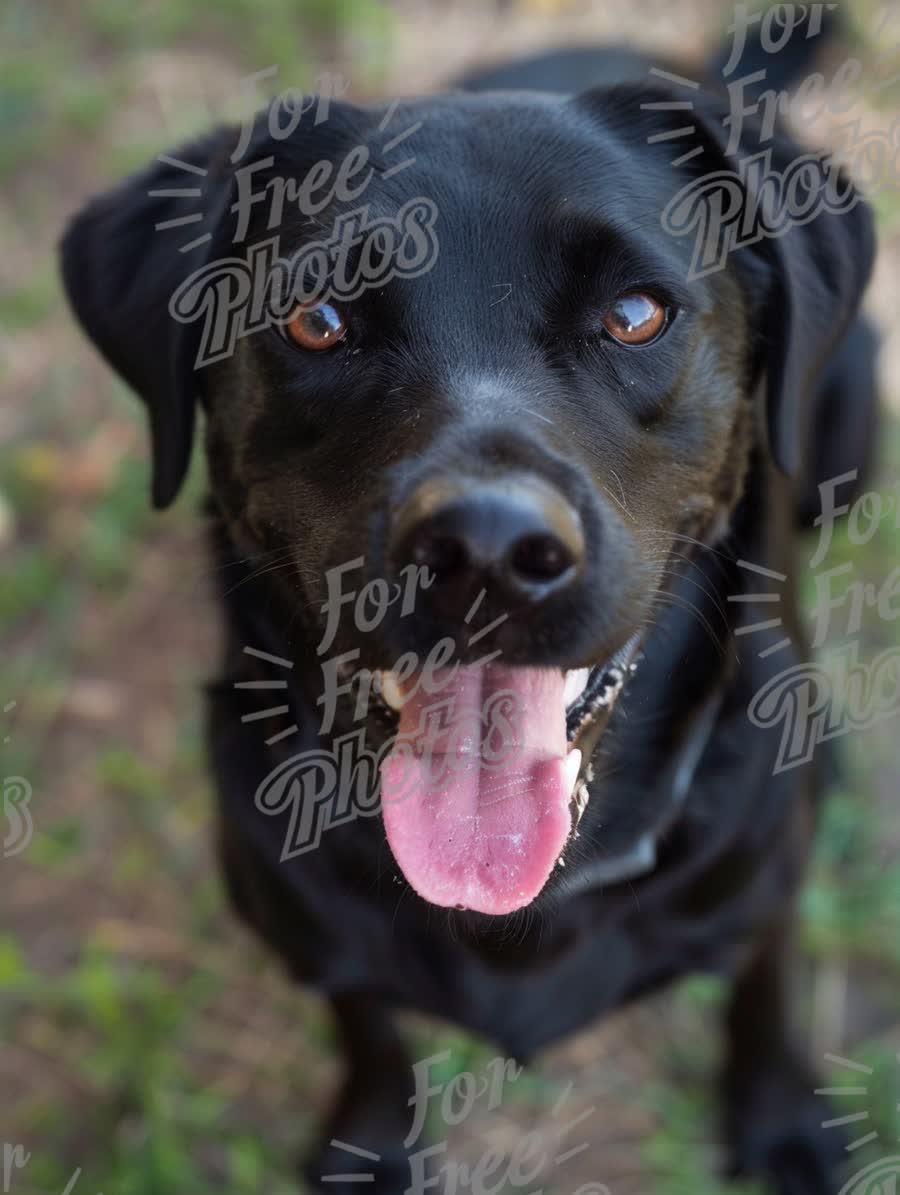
pixel 516 161
pixel 526 147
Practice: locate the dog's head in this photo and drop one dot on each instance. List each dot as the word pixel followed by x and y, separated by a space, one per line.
pixel 466 396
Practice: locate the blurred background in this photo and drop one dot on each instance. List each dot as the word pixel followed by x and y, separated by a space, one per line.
pixel 146 1039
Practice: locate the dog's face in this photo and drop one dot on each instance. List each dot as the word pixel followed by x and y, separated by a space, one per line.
pixel 500 452
pixel 537 415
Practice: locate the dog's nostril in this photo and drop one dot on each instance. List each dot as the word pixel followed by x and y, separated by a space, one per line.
pixel 441 554
pixel 540 558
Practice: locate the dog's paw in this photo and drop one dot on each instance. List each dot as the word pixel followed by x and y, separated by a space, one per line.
pixel 776 1134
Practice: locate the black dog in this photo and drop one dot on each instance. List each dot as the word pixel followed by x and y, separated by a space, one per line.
pixel 562 448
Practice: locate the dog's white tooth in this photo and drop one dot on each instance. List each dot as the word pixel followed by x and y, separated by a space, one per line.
pixel 576 683
pixel 582 795
pixel 572 768
pixel 390 690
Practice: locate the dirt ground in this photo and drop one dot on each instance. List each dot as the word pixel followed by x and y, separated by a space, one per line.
pixel 146 1041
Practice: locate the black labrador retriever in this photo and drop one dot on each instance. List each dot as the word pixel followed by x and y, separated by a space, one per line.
pixel 508 393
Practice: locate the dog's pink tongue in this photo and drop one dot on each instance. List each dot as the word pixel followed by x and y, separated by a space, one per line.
pixel 474 794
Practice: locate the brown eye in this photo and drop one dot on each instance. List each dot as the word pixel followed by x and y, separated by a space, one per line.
pixel 316 328
pixel 635 319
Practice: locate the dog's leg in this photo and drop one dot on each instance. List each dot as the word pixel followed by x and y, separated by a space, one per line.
pixel 773 1116
pixel 373 1115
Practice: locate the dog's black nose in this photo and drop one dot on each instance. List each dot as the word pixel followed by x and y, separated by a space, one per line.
pixel 517 537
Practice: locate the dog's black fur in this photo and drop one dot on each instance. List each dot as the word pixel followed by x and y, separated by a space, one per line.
pixel 682 459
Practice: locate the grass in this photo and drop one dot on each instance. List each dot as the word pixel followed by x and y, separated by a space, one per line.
pixel 65 69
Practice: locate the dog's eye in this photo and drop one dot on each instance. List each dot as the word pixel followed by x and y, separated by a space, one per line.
pixel 635 319
pixel 315 328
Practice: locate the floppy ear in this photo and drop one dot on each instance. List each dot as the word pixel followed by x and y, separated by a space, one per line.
pixel 819 271
pixel 804 277
pixel 123 256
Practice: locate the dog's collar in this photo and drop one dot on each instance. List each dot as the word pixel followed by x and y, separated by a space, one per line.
pixel 641 857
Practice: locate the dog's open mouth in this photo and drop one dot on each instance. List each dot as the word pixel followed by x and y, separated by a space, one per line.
pixel 487 780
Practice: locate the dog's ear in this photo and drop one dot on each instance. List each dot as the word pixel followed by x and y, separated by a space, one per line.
pixel 804 277
pixel 123 257
pixel 819 264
